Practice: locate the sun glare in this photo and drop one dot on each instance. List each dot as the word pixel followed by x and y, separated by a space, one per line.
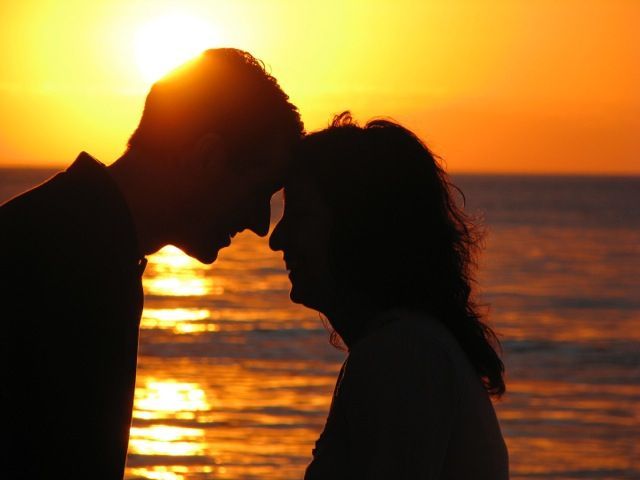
pixel 165 42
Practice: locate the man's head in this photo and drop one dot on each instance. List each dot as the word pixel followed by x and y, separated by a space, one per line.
pixel 217 132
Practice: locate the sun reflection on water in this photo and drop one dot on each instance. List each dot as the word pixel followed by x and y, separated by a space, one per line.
pixel 167 440
pixel 178 320
pixel 173 257
pixel 156 473
pixel 171 273
pixel 169 399
pixel 174 472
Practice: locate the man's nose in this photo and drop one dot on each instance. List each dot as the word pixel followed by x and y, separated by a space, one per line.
pixel 275 240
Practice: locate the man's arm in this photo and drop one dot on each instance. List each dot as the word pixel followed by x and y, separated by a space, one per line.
pixel 69 339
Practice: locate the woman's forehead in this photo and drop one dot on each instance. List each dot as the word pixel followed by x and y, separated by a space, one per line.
pixel 299 183
pixel 302 191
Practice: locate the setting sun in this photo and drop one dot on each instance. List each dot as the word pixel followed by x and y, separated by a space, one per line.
pixel 167 41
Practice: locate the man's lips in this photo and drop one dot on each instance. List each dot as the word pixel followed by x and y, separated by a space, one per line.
pixel 228 236
pixel 235 231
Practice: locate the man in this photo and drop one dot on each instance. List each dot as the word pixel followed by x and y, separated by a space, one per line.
pixel 211 148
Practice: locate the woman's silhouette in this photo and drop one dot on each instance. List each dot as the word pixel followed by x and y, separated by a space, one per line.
pixel 373 239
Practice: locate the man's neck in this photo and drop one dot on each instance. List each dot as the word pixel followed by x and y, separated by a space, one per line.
pixel 137 185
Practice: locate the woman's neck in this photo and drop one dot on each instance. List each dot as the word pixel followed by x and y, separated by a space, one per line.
pixel 353 322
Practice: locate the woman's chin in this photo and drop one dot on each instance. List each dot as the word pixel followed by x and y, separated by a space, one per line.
pixel 296 296
pixel 310 291
pixel 302 297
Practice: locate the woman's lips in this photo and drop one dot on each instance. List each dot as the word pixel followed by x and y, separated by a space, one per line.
pixel 289 265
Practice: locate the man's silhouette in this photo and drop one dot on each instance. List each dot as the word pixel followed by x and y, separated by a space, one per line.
pixel 211 148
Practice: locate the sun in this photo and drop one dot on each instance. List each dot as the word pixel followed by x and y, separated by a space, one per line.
pixel 165 42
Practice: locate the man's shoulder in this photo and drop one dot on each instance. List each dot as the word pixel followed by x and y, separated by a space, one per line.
pixel 77 217
pixel 61 197
pixel 55 221
pixel 29 209
pixel 27 222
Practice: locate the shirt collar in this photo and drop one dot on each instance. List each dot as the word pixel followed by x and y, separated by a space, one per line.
pixel 88 169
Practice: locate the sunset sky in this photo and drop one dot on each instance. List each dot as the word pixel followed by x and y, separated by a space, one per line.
pixel 512 86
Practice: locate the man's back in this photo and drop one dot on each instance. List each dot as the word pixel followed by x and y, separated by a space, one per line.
pixel 71 307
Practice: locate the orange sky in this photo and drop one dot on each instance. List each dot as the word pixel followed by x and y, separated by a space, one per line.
pixel 514 86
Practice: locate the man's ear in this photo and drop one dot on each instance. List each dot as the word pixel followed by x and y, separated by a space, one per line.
pixel 210 152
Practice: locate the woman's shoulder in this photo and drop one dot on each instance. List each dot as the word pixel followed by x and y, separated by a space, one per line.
pixel 407 339
pixel 402 365
pixel 416 343
pixel 409 331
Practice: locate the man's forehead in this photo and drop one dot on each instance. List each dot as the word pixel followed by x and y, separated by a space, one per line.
pixel 299 184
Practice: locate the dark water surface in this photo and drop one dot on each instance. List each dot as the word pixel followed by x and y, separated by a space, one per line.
pixel 235 381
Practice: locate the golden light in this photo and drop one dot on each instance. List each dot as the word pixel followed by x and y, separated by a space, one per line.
pixel 172 273
pixel 172 315
pixel 165 42
pixel 173 472
pixel 173 257
pixel 181 287
pixel 156 473
pixel 179 320
pixel 172 396
pixel 167 440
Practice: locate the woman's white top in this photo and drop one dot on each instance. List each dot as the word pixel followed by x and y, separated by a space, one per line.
pixel 408 404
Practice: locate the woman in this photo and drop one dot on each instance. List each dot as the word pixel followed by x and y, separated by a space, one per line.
pixel 373 240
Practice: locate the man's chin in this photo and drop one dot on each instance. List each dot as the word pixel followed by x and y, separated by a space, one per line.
pixel 207 258
pixel 206 253
pixel 204 256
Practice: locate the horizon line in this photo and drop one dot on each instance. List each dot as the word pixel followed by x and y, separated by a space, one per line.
pixel 531 173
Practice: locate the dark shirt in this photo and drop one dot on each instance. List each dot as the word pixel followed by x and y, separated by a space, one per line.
pixel 71 304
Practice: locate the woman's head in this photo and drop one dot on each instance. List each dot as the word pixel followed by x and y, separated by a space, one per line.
pixel 385 206
pixel 370 224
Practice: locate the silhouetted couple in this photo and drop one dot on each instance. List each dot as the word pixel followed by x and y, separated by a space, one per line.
pixel 372 238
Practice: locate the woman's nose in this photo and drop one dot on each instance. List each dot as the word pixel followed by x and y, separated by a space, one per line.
pixel 260 219
pixel 276 238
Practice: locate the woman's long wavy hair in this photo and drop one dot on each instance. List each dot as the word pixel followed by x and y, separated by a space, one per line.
pixel 399 239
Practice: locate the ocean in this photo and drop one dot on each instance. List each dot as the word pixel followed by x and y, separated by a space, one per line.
pixel 234 381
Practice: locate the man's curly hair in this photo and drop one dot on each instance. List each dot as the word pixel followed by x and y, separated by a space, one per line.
pixel 224 90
